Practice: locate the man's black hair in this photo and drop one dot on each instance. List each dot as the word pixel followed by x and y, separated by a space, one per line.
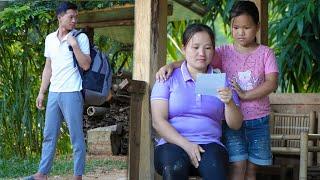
pixel 64 6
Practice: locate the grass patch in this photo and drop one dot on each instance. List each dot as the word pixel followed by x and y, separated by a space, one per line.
pixel 63 165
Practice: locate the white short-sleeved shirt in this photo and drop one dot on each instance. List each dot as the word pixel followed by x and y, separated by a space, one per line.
pixel 65 76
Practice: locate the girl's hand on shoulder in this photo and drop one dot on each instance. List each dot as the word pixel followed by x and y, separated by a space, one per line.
pixel 164 72
pixel 237 88
pixel 225 95
pixel 193 151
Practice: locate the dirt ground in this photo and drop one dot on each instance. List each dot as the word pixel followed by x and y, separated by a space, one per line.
pixel 97 175
pixel 100 173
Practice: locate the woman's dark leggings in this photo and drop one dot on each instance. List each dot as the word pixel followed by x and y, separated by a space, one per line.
pixel 173 163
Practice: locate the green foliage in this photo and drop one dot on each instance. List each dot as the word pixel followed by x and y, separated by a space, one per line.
pixel 23 28
pixel 100 4
pixel 63 165
pixel 294 28
pixel 215 8
pixel 294 35
pixel 120 55
pixel 174 40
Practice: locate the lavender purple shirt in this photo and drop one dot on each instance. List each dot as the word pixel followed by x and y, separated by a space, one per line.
pixel 196 117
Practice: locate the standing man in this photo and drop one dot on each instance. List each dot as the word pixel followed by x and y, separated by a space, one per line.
pixel 65 100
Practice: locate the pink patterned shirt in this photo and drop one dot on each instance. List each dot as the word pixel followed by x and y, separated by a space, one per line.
pixel 249 70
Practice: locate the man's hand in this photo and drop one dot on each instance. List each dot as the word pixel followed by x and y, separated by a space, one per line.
pixel 39 101
pixel 193 151
pixel 164 72
pixel 72 41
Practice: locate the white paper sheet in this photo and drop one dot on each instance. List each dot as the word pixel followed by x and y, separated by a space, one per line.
pixel 207 84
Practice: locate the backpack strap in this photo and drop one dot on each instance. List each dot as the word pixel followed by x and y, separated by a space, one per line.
pixel 77 32
pixel 75 62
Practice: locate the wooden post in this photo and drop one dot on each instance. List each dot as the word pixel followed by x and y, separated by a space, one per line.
pixel 303 156
pixel 149 53
pixel 318 141
pixel 137 90
pixel 262 35
pixel 313 121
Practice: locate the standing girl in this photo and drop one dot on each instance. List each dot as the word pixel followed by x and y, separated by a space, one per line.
pixel 253 71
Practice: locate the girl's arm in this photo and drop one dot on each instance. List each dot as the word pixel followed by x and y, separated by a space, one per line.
pixel 270 85
pixel 165 71
pixel 159 111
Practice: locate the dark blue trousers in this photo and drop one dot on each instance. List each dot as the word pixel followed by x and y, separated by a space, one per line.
pixel 173 163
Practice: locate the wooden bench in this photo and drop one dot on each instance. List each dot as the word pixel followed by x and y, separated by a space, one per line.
pixel 285 132
pixel 294 115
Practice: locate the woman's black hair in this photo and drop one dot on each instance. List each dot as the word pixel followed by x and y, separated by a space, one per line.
pixel 64 6
pixel 194 28
pixel 245 7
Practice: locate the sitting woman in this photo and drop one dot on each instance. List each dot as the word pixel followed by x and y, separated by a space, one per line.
pixel 190 124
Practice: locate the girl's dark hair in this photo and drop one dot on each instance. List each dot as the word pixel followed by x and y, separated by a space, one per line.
pixel 245 7
pixel 64 6
pixel 194 28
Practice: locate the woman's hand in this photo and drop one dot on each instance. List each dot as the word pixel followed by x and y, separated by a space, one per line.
pixel 237 88
pixel 225 95
pixel 164 72
pixel 193 151
pixel 232 112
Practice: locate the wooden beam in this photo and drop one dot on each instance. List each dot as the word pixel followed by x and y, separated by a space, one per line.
pixel 112 16
pixel 194 6
pixel 124 12
pixel 295 98
pixel 295 103
pixel 124 22
pixel 149 53
pixel 262 35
